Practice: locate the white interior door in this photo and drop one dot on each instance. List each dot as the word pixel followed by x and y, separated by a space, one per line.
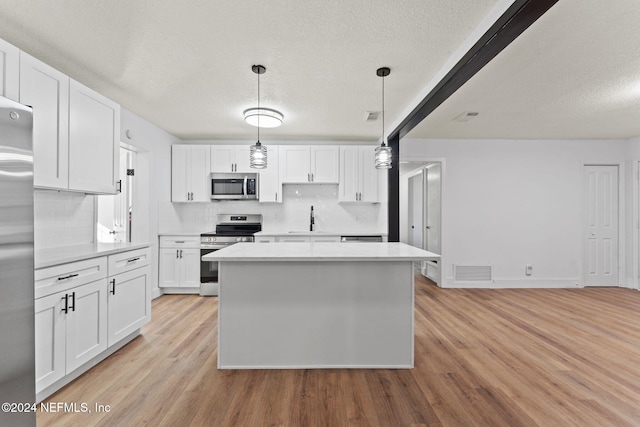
pixel 433 203
pixel 601 225
pixel 416 215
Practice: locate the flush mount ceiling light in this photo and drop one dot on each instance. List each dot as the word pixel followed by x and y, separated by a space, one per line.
pixel 258 152
pixel 383 152
pixel 263 117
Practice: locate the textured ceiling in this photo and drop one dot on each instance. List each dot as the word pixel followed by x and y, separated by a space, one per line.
pixel 575 73
pixel 186 65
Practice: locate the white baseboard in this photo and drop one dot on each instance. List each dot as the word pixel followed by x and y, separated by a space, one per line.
pixel 498 283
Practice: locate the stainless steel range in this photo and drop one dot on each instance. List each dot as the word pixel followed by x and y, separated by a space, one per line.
pixel 230 229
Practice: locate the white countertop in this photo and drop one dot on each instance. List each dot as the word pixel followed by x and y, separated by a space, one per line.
pixel 320 252
pixel 64 254
pixel 318 233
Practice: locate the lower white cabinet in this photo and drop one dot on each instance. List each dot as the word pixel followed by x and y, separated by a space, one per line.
pixel 179 268
pixel 179 262
pixel 129 303
pixel 81 310
pixel 71 329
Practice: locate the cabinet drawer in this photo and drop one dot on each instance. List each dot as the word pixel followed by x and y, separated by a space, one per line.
pixel 127 261
pixel 65 276
pixel 180 242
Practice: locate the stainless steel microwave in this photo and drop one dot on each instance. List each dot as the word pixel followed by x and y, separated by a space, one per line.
pixel 234 186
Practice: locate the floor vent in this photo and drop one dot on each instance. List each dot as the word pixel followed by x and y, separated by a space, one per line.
pixel 472 273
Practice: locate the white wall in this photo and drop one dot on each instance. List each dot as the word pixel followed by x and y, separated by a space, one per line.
pixel 153 180
pixel 512 203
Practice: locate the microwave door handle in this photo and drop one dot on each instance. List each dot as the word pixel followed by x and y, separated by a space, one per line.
pixel 245 186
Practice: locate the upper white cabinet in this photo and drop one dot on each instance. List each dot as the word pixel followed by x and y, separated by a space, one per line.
pixel 230 158
pixel 94 135
pixel 304 164
pixel 190 170
pixel 9 70
pixel 47 91
pixel 358 175
pixel 270 186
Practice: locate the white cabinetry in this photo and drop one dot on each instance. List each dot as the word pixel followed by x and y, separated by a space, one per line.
pixel 230 158
pixel 82 315
pixel 358 175
pixel 47 91
pixel 129 298
pixel 94 135
pixel 179 262
pixel 190 173
pixel 270 186
pixel 303 164
pixel 9 70
pixel 71 329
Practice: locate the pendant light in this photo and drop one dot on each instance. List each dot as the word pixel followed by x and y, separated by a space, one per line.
pixel 383 152
pixel 257 152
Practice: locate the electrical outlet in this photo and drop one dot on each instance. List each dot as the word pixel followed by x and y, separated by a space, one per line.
pixel 528 270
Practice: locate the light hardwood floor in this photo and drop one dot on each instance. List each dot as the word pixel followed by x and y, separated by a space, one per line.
pixel 567 357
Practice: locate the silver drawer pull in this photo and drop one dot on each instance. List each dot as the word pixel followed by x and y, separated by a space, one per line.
pixel 179 241
pixel 133 259
pixel 68 277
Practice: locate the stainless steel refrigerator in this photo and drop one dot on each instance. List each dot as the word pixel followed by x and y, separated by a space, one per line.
pixel 17 335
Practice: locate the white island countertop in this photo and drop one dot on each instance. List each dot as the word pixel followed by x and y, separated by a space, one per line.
pixel 320 252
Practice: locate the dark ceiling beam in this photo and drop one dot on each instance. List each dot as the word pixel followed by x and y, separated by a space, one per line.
pixel 520 15
pixel 517 18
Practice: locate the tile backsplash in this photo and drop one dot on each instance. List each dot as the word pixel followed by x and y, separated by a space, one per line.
pixel 63 218
pixel 290 215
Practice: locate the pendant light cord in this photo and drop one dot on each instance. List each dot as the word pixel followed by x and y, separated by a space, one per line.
pixel 383 111
pixel 258 108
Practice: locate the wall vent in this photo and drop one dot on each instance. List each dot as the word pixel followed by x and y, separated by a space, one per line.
pixel 472 273
pixel 371 116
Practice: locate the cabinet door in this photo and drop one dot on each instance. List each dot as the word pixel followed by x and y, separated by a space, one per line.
pixel 47 91
pixel 222 158
pixel 294 164
pixel 50 340
pixel 169 268
pixel 243 159
pixel 199 169
pixel 190 266
pixel 349 185
pixel 129 303
pixel 9 70
pixel 94 135
pixel 86 323
pixel 179 173
pixel 270 187
pixel 325 164
pixel 368 175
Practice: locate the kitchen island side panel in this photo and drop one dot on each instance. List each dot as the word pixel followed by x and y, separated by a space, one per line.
pixel 311 314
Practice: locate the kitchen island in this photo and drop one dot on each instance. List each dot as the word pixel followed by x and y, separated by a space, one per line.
pixel 316 305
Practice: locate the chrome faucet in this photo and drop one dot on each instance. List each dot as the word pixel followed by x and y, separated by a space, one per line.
pixel 312 224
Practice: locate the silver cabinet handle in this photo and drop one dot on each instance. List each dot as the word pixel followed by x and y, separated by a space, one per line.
pixel 180 253
pixel 276 196
pixel 68 277
pixel 113 289
pixel 133 260
pixel 313 178
pixel 66 304
pixel 308 177
pixel 177 253
pixel 73 301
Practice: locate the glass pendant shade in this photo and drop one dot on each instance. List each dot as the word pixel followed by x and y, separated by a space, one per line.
pixel 383 157
pixel 258 156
